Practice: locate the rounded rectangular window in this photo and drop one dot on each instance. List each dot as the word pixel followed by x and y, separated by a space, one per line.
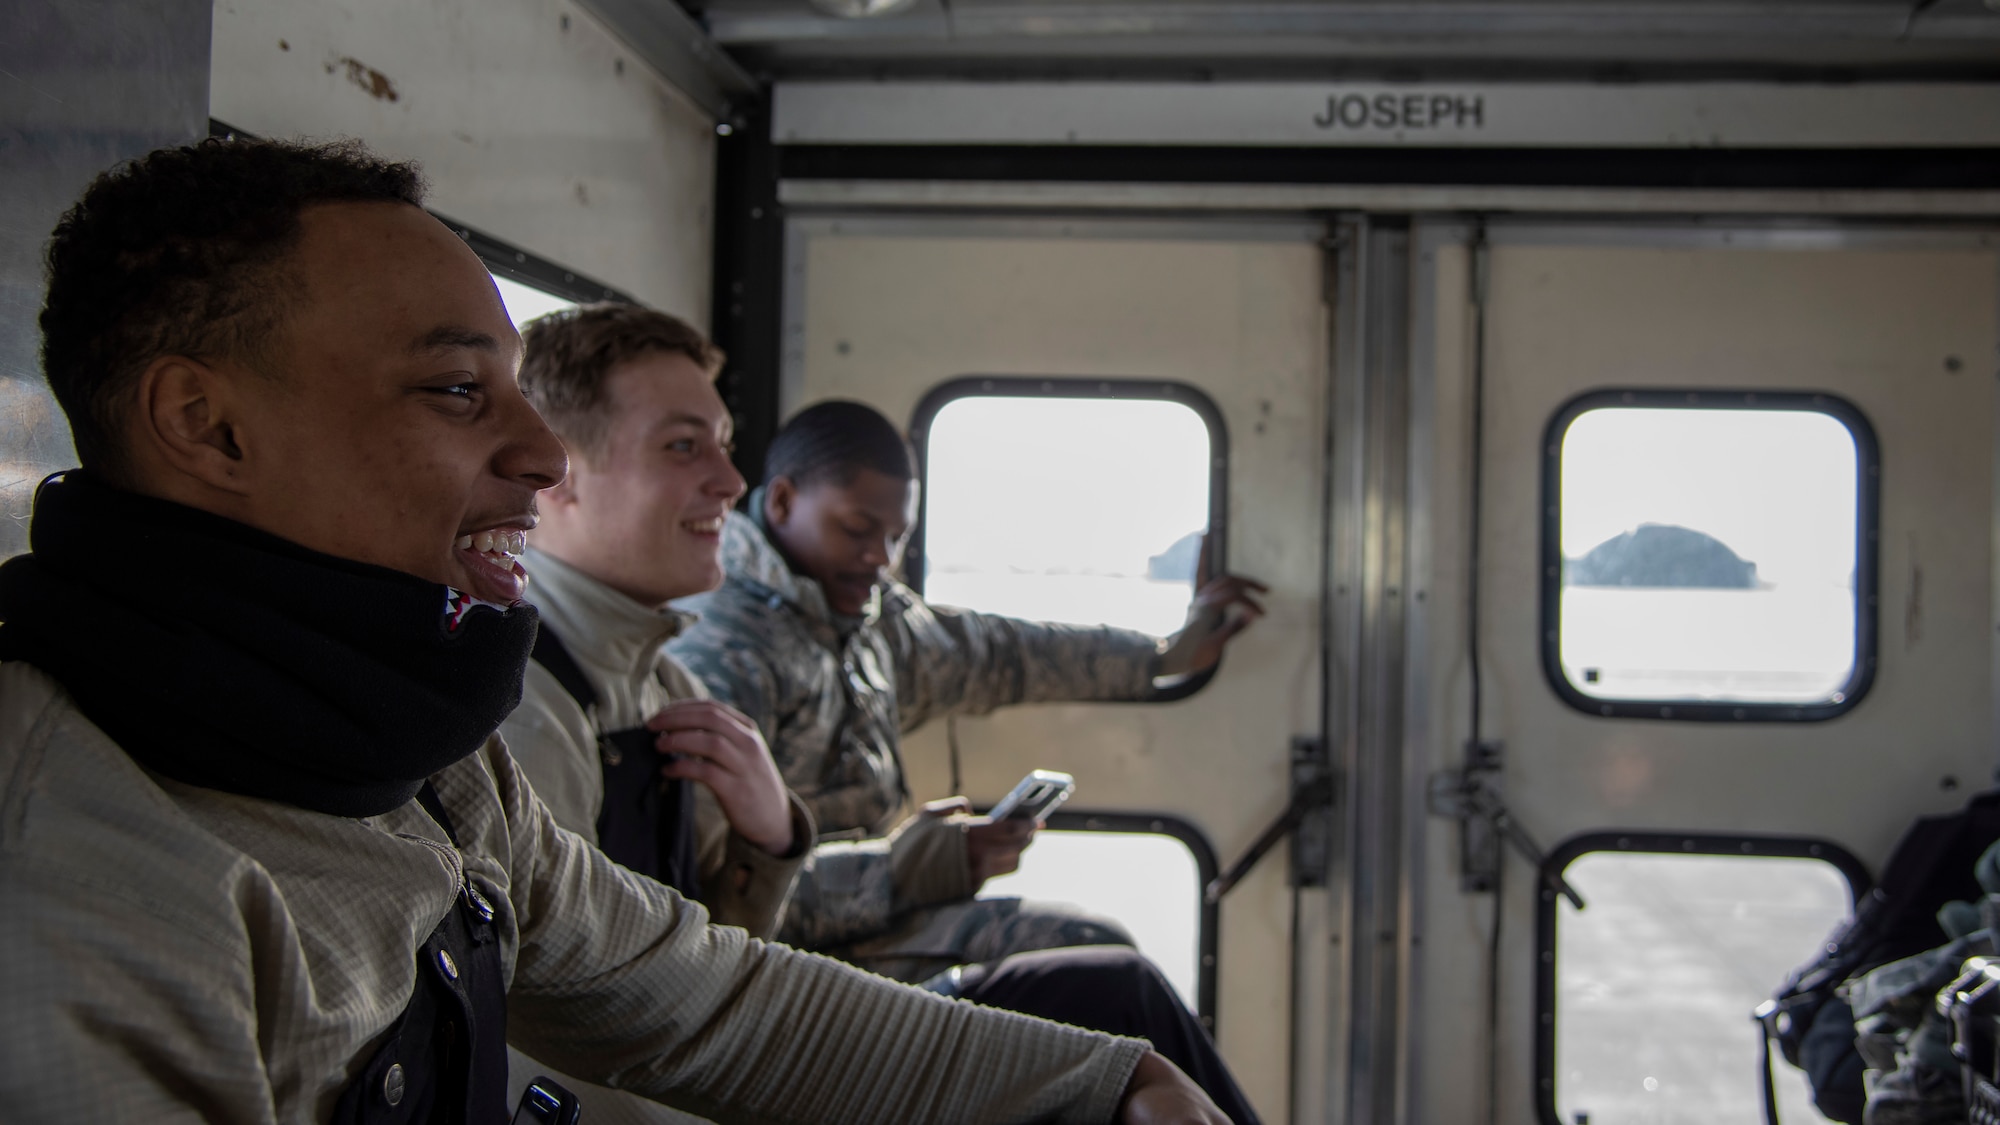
pixel 1709 556
pixel 1149 882
pixel 1646 996
pixel 526 302
pixel 1080 501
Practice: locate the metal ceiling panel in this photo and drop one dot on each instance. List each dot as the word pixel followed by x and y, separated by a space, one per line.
pixel 1124 36
pixel 741 21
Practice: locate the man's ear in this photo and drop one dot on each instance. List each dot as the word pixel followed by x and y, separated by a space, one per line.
pixel 187 419
pixel 779 497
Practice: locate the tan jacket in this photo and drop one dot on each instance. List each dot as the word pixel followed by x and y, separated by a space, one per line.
pixel 174 954
pixel 616 642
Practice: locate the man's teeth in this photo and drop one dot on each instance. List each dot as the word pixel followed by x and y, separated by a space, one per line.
pixel 704 527
pixel 507 542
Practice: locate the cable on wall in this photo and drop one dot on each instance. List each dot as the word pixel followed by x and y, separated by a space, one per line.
pixel 1474 541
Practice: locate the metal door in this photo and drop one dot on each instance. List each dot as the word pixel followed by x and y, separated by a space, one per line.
pixel 885 310
pixel 1899 322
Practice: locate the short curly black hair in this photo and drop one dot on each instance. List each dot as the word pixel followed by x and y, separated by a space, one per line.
pixel 833 441
pixel 180 252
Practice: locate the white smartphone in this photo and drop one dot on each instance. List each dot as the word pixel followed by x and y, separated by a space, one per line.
pixel 1039 794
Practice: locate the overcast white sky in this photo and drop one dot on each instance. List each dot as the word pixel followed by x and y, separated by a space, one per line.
pixel 1054 484
pixel 1777 486
pixel 525 303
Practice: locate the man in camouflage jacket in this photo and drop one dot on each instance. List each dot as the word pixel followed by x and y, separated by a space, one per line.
pixel 833 691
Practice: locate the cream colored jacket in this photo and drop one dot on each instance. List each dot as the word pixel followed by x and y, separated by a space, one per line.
pixel 174 954
pixel 616 642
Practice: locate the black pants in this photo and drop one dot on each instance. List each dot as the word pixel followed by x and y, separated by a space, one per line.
pixel 1113 989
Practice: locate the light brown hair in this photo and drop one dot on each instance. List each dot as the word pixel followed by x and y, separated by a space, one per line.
pixel 569 354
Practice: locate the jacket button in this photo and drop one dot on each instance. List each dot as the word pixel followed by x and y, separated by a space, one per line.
pixel 392 1085
pixel 479 904
pixel 446 965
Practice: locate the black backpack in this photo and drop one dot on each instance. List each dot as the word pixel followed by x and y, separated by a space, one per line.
pixel 646 823
pixel 1814 1028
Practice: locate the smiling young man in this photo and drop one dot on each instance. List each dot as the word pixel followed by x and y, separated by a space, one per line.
pixel 263 858
pixel 834 659
pixel 635 525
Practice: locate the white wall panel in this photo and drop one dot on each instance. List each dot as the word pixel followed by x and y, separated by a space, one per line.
pixel 532 122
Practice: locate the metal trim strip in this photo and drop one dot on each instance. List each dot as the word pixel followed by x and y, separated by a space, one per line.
pixel 1089 196
pixel 1885 115
pixel 669 40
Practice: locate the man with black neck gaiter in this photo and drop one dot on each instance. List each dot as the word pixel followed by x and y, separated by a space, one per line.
pixel 261 857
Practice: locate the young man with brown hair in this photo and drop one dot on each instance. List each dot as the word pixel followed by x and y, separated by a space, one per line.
pixel 636 524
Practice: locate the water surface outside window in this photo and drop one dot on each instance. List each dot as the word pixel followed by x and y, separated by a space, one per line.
pixel 1709 555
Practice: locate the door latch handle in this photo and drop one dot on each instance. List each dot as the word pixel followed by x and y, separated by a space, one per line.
pixel 1312 793
pixel 1471 796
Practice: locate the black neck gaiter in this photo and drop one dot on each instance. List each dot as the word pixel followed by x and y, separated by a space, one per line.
pixel 225 657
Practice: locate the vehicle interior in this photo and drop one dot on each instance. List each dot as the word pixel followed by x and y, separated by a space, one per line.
pixel 1605 389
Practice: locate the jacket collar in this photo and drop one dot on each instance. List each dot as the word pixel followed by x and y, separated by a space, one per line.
pixel 749 558
pixel 603 629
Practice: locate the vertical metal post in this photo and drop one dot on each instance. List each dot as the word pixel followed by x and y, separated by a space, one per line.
pixel 749 252
pixel 1369 456
pixel 1993 563
pixel 1427 235
pixel 1344 266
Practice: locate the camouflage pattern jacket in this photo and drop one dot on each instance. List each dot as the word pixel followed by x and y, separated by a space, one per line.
pixel 834 695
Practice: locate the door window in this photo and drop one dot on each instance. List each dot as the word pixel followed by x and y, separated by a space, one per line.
pixel 525 302
pixel 1080 501
pixel 1149 882
pixel 1710 556
pixel 1650 989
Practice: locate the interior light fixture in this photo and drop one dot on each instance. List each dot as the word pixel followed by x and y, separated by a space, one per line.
pixel 861 9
